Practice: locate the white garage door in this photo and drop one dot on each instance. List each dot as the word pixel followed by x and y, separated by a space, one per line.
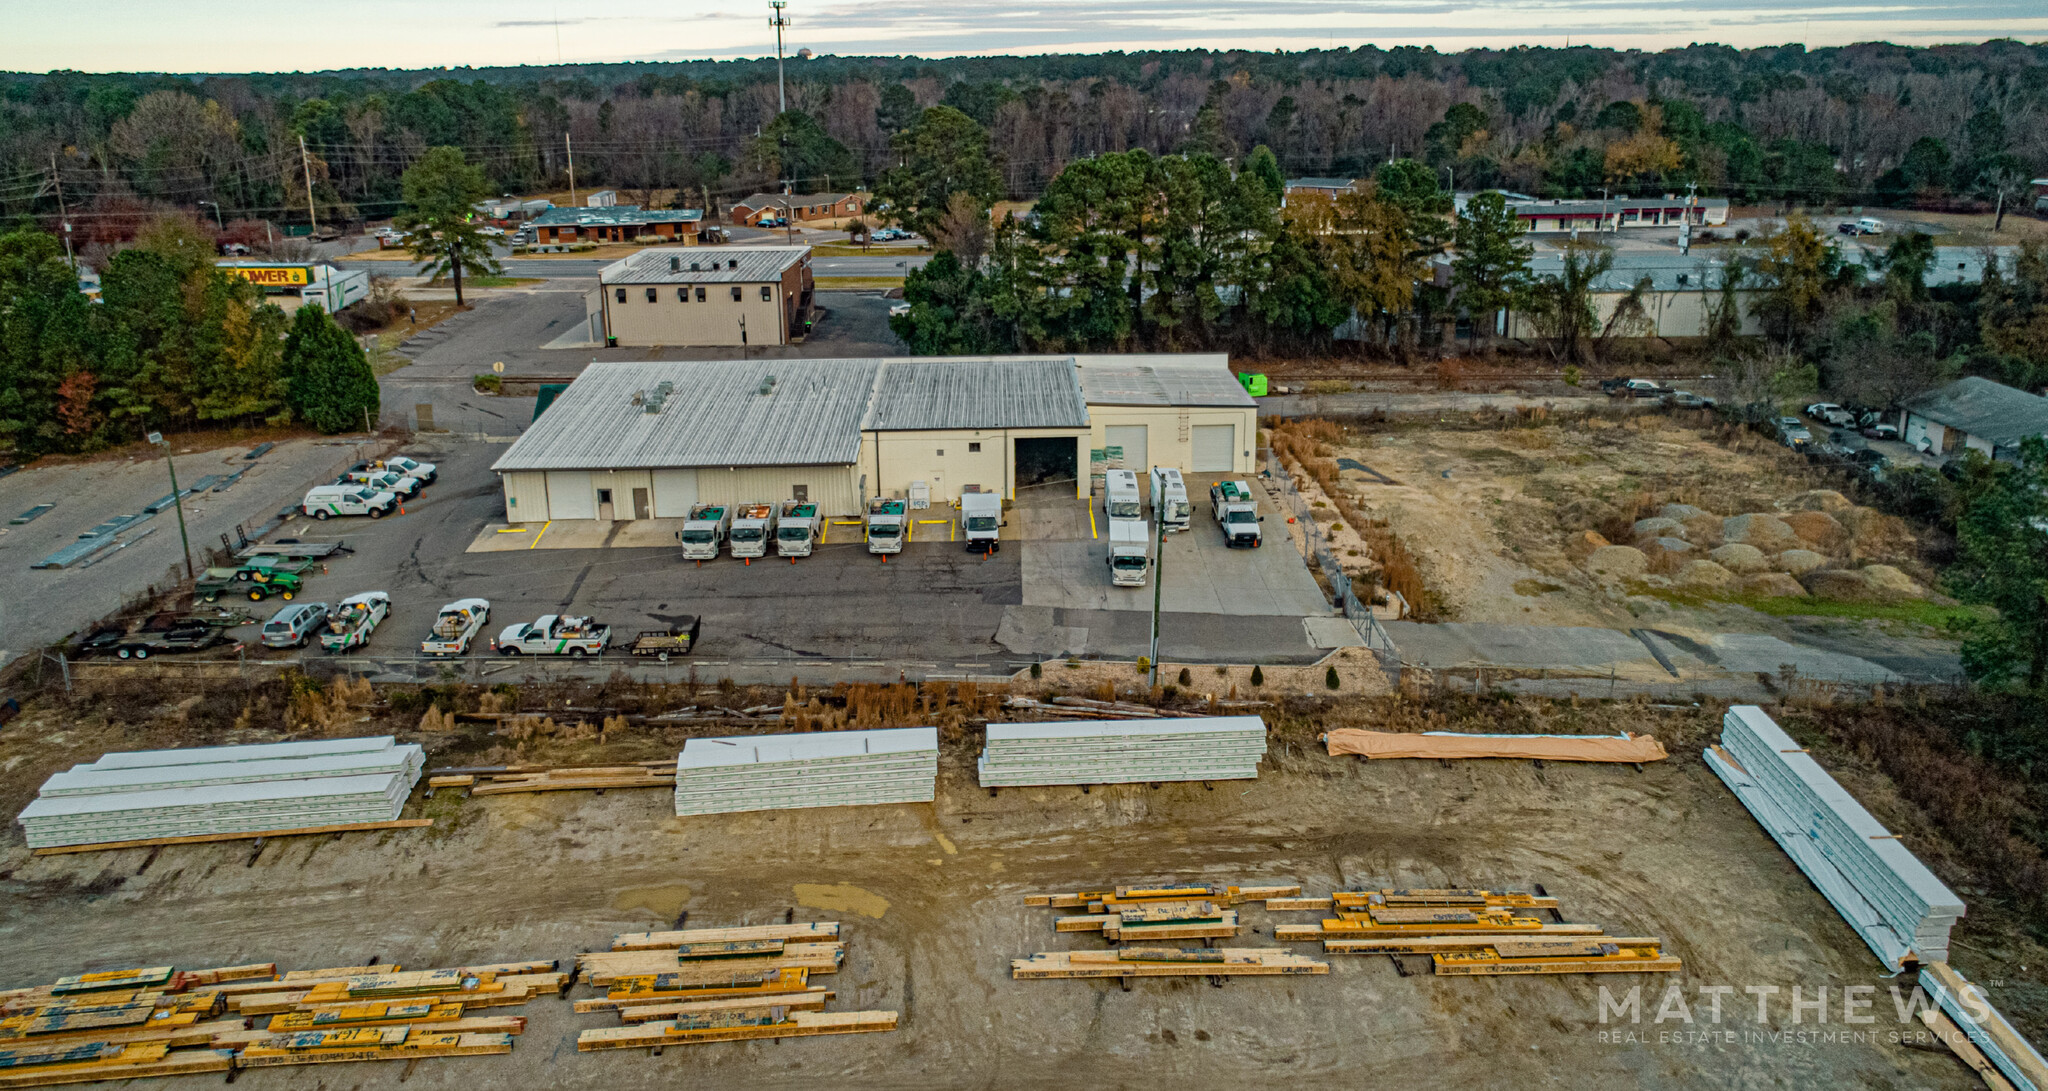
pixel 674 492
pixel 570 495
pixel 1131 437
pixel 1215 448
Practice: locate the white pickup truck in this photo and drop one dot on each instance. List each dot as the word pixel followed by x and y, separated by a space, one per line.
pixel 555 634
pixel 350 623
pixel 456 627
pixel 1237 513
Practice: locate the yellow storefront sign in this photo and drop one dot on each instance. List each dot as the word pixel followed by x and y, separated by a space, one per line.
pixel 272 276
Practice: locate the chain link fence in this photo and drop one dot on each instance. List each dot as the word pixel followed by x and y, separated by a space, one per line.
pixel 1316 550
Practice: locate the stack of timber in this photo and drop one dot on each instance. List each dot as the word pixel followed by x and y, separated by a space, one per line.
pixel 1970 1025
pixel 1127 962
pixel 223 793
pixel 1123 751
pixel 829 769
pixel 511 779
pixel 1138 914
pixel 1470 933
pixel 159 1021
pixel 1885 893
pixel 717 985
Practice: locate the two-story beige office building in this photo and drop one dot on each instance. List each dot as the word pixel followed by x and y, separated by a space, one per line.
pixel 737 296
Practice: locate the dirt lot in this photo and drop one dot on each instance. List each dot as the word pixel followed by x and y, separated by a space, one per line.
pixel 931 897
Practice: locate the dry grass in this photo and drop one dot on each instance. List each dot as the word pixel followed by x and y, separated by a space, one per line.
pixel 1303 443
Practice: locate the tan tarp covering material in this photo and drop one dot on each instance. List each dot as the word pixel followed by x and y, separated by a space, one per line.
pixel 1443 744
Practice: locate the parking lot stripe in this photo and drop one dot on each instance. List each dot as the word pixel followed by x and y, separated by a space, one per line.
pixel 1091 521
pixel 543 530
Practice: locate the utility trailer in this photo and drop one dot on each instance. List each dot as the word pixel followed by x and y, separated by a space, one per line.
pixel 678 639
pixel 290 549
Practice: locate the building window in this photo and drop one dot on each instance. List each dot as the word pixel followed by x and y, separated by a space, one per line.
pixel 800 493
pixel 974 448
pixel 700 295
pixel 683 294
pixel 942 452
pixel 650 294
pixel 767 293
pixel 622 295
pixel 735 293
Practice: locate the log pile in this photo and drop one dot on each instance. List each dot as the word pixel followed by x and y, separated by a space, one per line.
pixel 698 985
pixel 159 1021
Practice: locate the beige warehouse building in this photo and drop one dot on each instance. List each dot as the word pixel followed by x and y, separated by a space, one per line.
pixel 737 296
pixel 647 440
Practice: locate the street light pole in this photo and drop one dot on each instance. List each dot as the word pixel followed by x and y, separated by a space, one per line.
pixel 1158 588
pixel 217 225
pixel 177 499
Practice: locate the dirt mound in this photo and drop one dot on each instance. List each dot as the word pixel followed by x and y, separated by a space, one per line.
pixel 1704 574
pixel 1775 585
pixel 1666 554
pixel 1817 528
pixel 1617 561
pixel 1764 531
pixel 1657 528
pixel 1681 512
pixel 1816 500
pixel 1737 557
pixel 1798 561
pixel 1581 545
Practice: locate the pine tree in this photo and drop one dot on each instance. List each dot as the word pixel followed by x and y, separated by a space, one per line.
pixel 327 378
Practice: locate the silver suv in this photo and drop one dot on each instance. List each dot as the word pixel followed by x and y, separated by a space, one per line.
pixel 293 626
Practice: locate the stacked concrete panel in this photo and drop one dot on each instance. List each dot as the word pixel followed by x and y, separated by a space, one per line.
pixel 824 769
pixel 145 795
pixel 1885 893
pixel 1123 751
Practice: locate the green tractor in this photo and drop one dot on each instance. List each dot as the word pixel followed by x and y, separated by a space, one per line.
pixel 257 581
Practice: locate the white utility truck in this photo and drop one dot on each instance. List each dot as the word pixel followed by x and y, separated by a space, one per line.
pixel 703 530
pixel 796 529
pixel 1170 499
pixel 1120 497
pixel 1130 545
pixel 350 624
pixel 886 522
pixel 456 627
pixel 555 634
pixel 752 525
pixel 323 501
pixel 1237 513
pixel 981 521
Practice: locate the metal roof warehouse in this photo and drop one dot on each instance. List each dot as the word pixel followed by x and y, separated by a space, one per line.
pixel 648 440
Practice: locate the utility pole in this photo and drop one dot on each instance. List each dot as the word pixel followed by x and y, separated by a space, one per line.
pixel 58 180
pixel 305 160
pixel 571 149
pixel 1603 208
pixel 1158 588
pixel 779 21
pixel 177 498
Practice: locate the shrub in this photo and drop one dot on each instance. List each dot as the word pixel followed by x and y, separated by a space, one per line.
pixel 1330 677
pixel 1186 679
pixel 1037 670
pixel 488 383
pixel 1258 676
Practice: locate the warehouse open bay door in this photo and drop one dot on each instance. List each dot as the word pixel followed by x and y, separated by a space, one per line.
pixel 1046 460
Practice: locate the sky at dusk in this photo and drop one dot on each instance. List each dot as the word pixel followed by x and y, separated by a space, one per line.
pixel 214 36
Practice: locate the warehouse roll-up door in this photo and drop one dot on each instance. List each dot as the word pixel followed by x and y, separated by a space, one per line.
pixel 1131 437
pixel 674 492
pixel 1215 448
pixel 570 495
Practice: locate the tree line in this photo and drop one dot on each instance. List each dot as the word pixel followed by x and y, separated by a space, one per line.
pixel 173 343
pixel 1861 124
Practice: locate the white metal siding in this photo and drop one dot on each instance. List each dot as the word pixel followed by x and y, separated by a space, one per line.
pixel 526 497
pixel 1215 448
pixel 1131 437
pixel 570 495
pixel 830 487
pixel 674 492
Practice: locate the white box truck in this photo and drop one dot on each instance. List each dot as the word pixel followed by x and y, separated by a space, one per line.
pixel 752 525
pixel 1170 499
pixel 796 529
pixel 885 525
pixel 1120 498
pixel 981 521
pixel 703 530
pixel 1130 545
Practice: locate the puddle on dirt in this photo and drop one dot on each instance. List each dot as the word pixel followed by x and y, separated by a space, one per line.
pixel 841 897
pixel 662 901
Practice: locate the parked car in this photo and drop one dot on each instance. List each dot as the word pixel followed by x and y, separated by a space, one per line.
pixel 350 624
pixel 1864 226
pixel 1792 433
pixel 1686 399
pixel 323 501
pixel 294 625
pixel 1881 431
pixel 406 487
pixel 1638 388
pixel 1831 414
pixel 234 250
pixel 896 309
pixel 410 467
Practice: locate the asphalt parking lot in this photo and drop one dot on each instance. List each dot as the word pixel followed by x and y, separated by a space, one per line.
pixel 934 608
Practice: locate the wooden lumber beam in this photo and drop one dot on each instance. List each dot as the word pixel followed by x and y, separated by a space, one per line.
pixel 1300 932
pixel 571 784
pixel 473 1024
pixel 1289 905
pixel 1125 931
pixel 601 968
pixel 735 1027
pixel 663 988
pixel 646 941
pixel 812 999
pixel 1129 895
pixel 1423 945
pixel 1966 1051
pixel 145 1064
pixel 364 1015
pixel 412 1048
pixel 1231 961
pixel 180 1036
pixel 1444 896
pixel 198 839
pixel 434 783
pixel 1082 922
pixel 2016 1048
pixel 1613 959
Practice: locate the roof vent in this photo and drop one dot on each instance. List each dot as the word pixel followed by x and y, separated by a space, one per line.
pixel 693 267
pixel 1684 277
pixel 675 265
pixel 733 264
pixel 767 385
pixel 639 396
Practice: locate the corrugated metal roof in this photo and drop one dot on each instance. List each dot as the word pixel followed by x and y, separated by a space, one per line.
pixel 791 200
pixel 716 416
pixel 1990 411
pixel 970 392
pixel 1668 272
pixel 1191 379
pixel 698 265
pixel 615 215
